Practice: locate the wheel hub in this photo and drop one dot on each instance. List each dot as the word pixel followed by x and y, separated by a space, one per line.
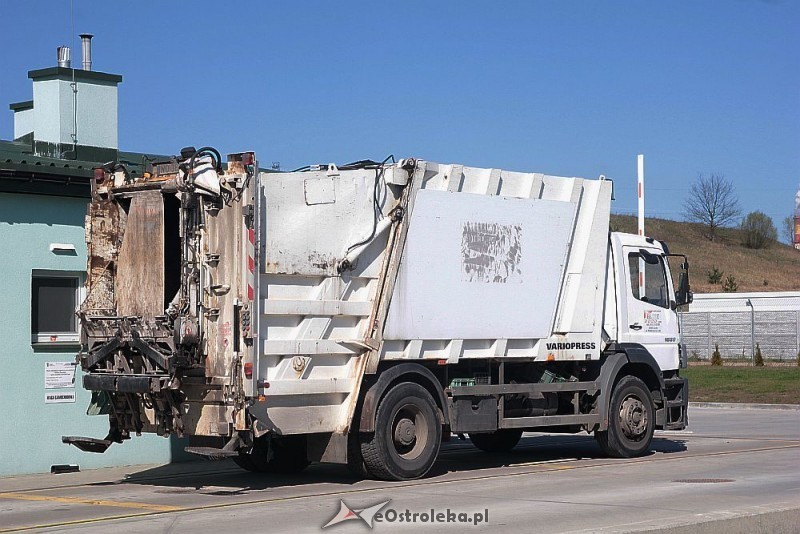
pixel 633 418
pixel 405 432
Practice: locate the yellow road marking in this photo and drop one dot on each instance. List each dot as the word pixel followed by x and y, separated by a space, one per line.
pixel 97 502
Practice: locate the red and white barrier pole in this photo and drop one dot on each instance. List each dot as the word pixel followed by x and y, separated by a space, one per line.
pixel 640 174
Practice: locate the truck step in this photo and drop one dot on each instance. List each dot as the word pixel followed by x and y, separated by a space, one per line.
pixel 212 453
pixel 670 382
pixel 88 444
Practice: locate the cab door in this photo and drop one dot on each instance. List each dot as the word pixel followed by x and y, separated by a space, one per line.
pixel 648 317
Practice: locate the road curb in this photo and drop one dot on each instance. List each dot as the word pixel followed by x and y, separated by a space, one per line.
pixel 744 406
pixel 769 522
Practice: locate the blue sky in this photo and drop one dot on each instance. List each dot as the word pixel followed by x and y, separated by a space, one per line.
pixel 567 88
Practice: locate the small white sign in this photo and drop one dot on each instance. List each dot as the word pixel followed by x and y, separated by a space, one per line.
pixel 59 375
pixel 59 397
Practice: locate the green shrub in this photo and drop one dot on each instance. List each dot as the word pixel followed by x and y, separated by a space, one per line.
pixel 758 230
pixel 759 359
pixel 714 276
pixel 730 284
pixel 716 357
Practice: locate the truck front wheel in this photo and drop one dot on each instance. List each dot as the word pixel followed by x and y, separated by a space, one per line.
pixel 407 434
pixel 631 420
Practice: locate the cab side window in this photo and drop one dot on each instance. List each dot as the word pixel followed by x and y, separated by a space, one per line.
pixel 655 280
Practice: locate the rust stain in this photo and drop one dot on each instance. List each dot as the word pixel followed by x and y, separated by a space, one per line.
pixel 491 253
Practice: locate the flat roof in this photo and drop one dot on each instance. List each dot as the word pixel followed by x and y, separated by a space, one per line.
pixel 22 171
pixel 21 106
pixel 80 74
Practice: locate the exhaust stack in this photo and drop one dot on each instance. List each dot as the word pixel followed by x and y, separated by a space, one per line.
pixel 63 56
pixel 86 49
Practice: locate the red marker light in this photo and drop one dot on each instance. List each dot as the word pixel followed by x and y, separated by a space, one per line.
pixel 99 175
pixel 248 158
pixel 248 370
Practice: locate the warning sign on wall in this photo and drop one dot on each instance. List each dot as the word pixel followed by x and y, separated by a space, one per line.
pixel 59 375
pixel 53 397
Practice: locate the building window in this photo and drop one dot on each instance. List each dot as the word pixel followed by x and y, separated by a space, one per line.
pixel 54 300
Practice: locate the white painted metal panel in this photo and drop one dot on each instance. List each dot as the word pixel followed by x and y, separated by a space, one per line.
pixel 312 218
pixel 480 267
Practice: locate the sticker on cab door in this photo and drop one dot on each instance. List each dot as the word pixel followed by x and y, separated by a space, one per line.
pixel 652 321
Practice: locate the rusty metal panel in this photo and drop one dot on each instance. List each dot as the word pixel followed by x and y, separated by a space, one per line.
pixel 222 240
pixel 140 274
pixel 105 225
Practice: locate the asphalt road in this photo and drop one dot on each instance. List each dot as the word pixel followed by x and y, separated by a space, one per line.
pixel 731 471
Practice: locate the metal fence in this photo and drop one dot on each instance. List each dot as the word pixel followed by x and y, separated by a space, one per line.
pixel 737 321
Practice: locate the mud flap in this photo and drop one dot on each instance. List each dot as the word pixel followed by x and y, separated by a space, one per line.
pixel 230 450
pixel 100 404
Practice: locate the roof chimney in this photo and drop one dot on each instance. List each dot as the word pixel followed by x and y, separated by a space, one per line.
pixel 63 56
pixel 86 44
pixel 73 111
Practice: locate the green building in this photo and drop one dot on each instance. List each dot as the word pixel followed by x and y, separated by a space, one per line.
pixel 68 129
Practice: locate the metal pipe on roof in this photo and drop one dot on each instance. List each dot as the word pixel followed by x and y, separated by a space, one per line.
pixel 86 49
pixel 63 56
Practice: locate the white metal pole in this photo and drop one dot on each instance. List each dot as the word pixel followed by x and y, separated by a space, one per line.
pixel 640 173
pixel 640 165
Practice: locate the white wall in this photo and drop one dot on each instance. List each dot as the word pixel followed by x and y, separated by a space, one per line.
pixel 23 122
pixel 97 112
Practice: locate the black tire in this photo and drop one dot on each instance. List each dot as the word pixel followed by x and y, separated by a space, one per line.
pixel 498 441
pixel 407 435
pixel 288 455
pixel 631 420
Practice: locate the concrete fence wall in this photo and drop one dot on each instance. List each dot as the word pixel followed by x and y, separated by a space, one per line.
pixel 738 321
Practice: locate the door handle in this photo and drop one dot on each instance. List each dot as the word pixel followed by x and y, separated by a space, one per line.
pixel 635 326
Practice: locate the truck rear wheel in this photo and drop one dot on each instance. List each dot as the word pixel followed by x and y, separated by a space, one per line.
pixel 631 420
pixel 498 441
pixel 288 455
pixel 407 434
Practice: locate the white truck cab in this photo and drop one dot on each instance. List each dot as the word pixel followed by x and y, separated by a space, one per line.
pixel 645 287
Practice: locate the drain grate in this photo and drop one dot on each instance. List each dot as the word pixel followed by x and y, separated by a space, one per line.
pixel 703 480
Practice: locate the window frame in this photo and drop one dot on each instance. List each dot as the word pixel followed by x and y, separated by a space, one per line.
pixel 634 290
pixel 57 338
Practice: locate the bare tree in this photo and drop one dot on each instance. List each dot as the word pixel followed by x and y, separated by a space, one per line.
pixel 788 229
pixel 713 202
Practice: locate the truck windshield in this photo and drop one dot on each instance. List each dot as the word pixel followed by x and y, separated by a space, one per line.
pixel 655 281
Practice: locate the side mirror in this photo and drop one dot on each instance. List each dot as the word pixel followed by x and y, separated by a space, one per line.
pixel 684 294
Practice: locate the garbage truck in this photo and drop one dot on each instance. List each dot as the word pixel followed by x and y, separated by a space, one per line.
pixel 362 314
